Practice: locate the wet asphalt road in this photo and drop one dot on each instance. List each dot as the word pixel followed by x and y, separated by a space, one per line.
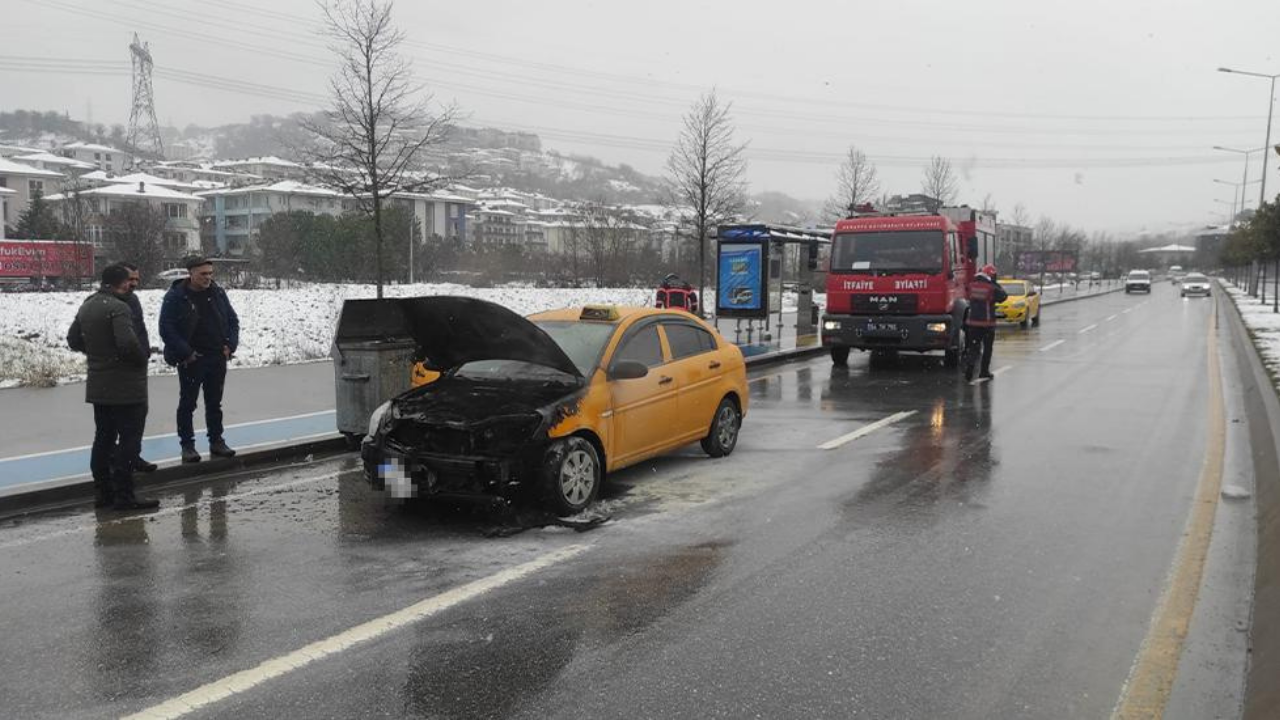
pixel 998 553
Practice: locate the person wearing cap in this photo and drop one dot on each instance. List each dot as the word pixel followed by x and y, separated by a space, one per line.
pixel 980 324
pixel 116 386
pixel 201 331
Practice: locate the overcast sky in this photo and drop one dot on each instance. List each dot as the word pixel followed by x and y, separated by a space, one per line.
pixel 1100 113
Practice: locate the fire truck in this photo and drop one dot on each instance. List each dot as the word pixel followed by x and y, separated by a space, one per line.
pixel 900 282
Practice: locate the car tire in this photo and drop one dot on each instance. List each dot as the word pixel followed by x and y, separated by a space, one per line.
pixel 840 355
pixel 571 476
pixel 722 438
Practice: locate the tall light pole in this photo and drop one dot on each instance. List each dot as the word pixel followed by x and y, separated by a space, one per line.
pixel 1271 101
pixel 1236 192
pixel 1244 181
pixel 1231 202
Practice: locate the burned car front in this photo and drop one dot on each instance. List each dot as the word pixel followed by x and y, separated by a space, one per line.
pixel 481 431
pixel 483 426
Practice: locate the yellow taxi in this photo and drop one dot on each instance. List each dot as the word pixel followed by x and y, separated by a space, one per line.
pixel 1022 305
pixel 551 403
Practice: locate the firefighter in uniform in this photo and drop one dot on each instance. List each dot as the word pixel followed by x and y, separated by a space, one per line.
pixel 980 325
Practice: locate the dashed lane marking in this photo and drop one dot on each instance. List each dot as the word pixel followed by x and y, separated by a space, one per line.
pixel 1126 311
pixel 1052 345
pixel 866 430
pixel 1087 329
pixel 244 680
pixel 1004 369
pixel 1113 317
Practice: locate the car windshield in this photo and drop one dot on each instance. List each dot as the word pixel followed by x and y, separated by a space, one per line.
pixel 1197 279
pixel 583 342
pixel 1139 276
pixel 1015 289
pixel 888 252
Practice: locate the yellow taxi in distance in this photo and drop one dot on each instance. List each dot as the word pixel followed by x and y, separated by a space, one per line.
pixel 553 402
pixel 1022 305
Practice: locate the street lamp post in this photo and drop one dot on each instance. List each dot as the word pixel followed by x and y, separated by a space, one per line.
pixel 1244 181
pixel 1271 97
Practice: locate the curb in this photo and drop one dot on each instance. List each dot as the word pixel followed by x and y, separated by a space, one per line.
pixel 24 499
pixel 1074 298
pixel 1261 693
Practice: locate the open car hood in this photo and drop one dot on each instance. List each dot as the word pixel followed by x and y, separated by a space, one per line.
pixel 453 331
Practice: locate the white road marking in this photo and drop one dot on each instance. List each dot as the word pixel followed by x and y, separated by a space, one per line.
pixel 1127 311
pixel 244 680
pixel 1085 330
pixel 198 431
pixel 1052 345
pixel 866 430
pixel 1113 317
pixel 1004 369
pixel 165 512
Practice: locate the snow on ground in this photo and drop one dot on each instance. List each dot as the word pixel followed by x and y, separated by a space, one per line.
pixel 1263 324
pixel 276 326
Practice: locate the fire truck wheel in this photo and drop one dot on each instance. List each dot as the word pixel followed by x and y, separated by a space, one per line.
pixel 840 355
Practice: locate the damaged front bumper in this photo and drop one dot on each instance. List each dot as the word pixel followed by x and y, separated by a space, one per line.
pixel 406 474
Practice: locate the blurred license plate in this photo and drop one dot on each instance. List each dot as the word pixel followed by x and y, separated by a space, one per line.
pixel 882 327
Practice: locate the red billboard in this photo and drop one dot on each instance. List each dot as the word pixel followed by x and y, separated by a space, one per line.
pixel 45 259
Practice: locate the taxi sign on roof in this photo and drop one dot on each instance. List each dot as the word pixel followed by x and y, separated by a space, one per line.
pixel 599 312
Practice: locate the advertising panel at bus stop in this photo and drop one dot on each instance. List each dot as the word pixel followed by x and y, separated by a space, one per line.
pixel 44 259
pixel 741 283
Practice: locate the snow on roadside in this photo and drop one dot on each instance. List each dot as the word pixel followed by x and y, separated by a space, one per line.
pixel 276 326
pixel 1263 324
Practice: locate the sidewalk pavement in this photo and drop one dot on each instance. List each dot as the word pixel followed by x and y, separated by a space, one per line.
pixel 45 433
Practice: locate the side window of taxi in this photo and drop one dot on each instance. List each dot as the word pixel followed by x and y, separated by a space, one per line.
pixel 686 340
pixel 642 346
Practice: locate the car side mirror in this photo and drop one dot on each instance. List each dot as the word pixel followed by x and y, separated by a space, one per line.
pixel 628 370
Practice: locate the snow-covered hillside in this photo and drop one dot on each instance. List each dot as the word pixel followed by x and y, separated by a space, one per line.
pixel 276 326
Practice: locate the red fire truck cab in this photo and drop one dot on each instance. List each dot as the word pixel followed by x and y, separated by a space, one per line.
pixel 900 282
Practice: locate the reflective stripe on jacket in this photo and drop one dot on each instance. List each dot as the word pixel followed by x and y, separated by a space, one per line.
pixel 984 295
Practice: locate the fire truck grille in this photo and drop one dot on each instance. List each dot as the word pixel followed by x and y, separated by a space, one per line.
pixel 885 304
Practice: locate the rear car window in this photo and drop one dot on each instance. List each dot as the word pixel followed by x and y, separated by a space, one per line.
pixel 643 346
pixel 686 340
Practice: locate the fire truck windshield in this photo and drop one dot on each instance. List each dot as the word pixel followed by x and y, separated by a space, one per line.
pixel 888 252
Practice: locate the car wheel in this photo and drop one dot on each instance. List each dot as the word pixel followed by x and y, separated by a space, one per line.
pixel 723 436
pixel 571 476
pixel 840 355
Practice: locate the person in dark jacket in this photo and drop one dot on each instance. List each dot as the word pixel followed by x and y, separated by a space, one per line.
pixel 201 332
pixel 116 387
pixel 980 326
pixel 139 329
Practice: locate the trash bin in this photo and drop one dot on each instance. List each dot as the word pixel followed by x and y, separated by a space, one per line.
pixel 373 356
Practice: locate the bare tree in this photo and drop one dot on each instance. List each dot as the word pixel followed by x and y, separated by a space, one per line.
pixel 370 144
pixel 136 232
pixel 1020 216
pixel 989 203
pixel 856 183
pixel 705 172
pixel 939 183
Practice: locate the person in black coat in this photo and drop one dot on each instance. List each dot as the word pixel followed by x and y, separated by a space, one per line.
pixel 139 329
pixel 201 331
pixel 116 387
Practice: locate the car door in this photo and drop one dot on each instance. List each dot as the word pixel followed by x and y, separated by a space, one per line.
pixel 697 368
pixel 644 408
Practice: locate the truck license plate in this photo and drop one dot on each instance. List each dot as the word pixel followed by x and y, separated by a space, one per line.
pixel 882 327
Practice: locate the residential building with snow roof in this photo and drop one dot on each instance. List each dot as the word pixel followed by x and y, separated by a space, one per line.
pixel 46 160
pixel 104 157
pixel 25 181
pixel 181 210
pixel 268 168
pixel 231 216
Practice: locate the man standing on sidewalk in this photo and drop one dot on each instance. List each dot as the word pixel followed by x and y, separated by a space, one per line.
pixel 200 332
pixel 980 325
pixel 116 387
pixel 140 330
